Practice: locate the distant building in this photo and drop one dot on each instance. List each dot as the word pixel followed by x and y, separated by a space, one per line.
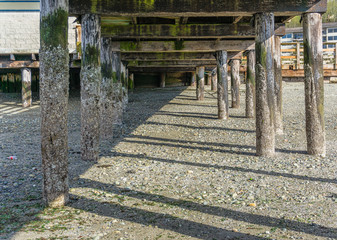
pixel 329 34
pixel 20 27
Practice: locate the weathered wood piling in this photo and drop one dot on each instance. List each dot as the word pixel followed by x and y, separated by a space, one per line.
pixel 222 85
pixel 162 80
pixel 235 82
pixel 265 93
pixel 124 80
pixel 54 83
pixel 250 84
pixel 90 87
pixel 26 76
pixel 118 91
pixel 278 86
pixel 314 83
pixel 214 82
pixel 200 73
pixel 107 89
pixel 193 79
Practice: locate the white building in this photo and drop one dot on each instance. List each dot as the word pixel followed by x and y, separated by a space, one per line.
pixel 20 27
pixel 329 33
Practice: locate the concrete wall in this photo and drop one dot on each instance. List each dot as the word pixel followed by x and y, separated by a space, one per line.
pixel 20 32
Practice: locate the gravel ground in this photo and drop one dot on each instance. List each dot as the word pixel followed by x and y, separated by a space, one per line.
pixel 177 172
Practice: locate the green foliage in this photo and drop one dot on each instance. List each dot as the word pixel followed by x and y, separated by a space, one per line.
pixel 331 13
pixel 329 16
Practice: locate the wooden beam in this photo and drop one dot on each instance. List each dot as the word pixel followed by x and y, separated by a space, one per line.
pixel 174 56
pixel 155 31
pixel 161 69
pixel 183 20
pixel 19 64
pixel 280 30
pixel 186 8
pixel 237 19
pixel 150 56
pixel 300 73
pixel 314 84
pixel 183 46
pixel 164 63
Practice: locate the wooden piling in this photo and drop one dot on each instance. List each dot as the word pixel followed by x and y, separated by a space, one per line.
pixel 193 79
pixel 162 80
pixel 278 86
pixel 26 76
pixel 54 84
pixel 265 93
pixel 235 82
pixel 90 87
pixel 214 82
pixel 124 79
pixel 222 85
pixel 250 84
pixel 118 92
pixel 107 91
pixel 131 81
pixel 200 82
pixel 314 83
pixel 298 54
pixel 208 79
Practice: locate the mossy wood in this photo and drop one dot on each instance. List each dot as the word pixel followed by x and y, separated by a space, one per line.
pixel 188 46
pixel 90 87
pixel 186 8
pixel 172 63
pixel 170 56
pixel 54 84
pixel 181 31
pixel 107 89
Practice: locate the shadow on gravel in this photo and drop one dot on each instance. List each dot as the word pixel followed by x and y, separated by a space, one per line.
pixel 211 144
pixel 191 147
pixel 194 105
pixel 185 115
pixel 188 227
pixel 224 167
pixel 17 212
pixel 234 116
pixel 160 220
pixel 23 211
pixel 205 128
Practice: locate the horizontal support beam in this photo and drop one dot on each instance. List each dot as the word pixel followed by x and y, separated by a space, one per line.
pixel 172 56
pixel 300 73
pixel 188 8
pixel 182 63
pixel 155 31
pixel 151 56
pixel 161 69
pixel 167 31
pixel 184 46
pixel 19 64
pixel 151 69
